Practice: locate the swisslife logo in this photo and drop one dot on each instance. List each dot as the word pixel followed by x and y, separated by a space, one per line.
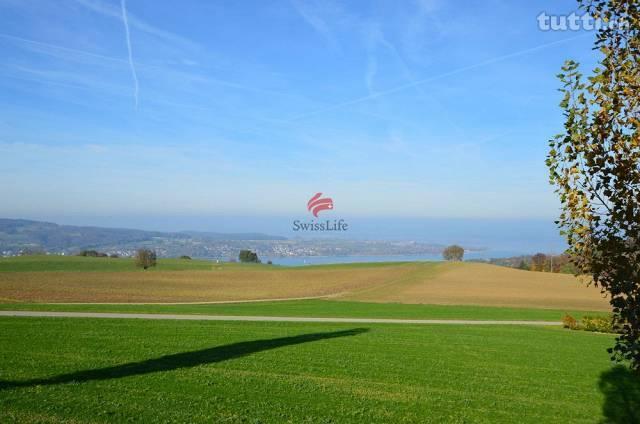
pixel 316 205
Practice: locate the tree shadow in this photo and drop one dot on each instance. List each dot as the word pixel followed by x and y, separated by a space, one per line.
pixel 181 360
pixel 621 389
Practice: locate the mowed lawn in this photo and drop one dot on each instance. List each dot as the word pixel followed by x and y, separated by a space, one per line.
pixel 88 370
pixel 73 279
pixel 320 308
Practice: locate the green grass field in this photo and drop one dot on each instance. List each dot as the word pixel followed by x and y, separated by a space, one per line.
pixel 321 308
pixel 49 263
pixel 39 263
pixel 84 370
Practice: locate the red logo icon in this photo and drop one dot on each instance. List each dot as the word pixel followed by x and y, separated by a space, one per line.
pixel 317 204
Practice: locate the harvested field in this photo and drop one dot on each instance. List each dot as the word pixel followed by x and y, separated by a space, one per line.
pixel 435 283
pixel 482 284
pixel 226 283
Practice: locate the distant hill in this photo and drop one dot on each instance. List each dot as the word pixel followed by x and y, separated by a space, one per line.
pixel 19 235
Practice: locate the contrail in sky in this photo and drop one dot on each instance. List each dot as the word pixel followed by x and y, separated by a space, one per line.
pixel 133 68
pixel 415 83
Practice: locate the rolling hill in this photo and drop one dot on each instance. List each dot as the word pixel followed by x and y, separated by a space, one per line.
pixel 18 235
pixel 59 279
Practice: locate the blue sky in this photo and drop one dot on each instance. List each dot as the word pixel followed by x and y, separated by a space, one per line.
pixel 394 109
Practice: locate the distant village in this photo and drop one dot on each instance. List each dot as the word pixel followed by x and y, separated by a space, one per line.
pixel 228 249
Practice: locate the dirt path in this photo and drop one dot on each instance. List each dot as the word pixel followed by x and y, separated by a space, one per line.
pixel 263 318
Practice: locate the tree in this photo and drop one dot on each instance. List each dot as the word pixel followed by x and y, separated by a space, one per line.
pixel 538 262
pixel 145 258
pixel 453 253
pixel 595 166
pixel 523 265
pixel 247 256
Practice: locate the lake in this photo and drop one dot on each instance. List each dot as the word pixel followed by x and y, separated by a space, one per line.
pixel 321 260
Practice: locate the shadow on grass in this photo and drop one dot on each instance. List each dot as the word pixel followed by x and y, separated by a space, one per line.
pixel 621 389
pixel 181 360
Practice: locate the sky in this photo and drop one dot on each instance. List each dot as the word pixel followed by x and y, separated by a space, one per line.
pixel 414 109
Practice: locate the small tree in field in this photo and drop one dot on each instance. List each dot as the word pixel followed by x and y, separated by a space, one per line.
pixel 247 256
pixel 145 258
pixel 595 166
pixel 453 253
pixel 538 261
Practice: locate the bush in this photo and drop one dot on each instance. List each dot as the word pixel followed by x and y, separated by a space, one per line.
pixel 92 254
pixel 597 324
pixel 589 323
pixel 569 322
pixel 145 258
pixel 185 257
pixel 114 255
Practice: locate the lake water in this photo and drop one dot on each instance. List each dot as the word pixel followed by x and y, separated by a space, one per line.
pixel 322 260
